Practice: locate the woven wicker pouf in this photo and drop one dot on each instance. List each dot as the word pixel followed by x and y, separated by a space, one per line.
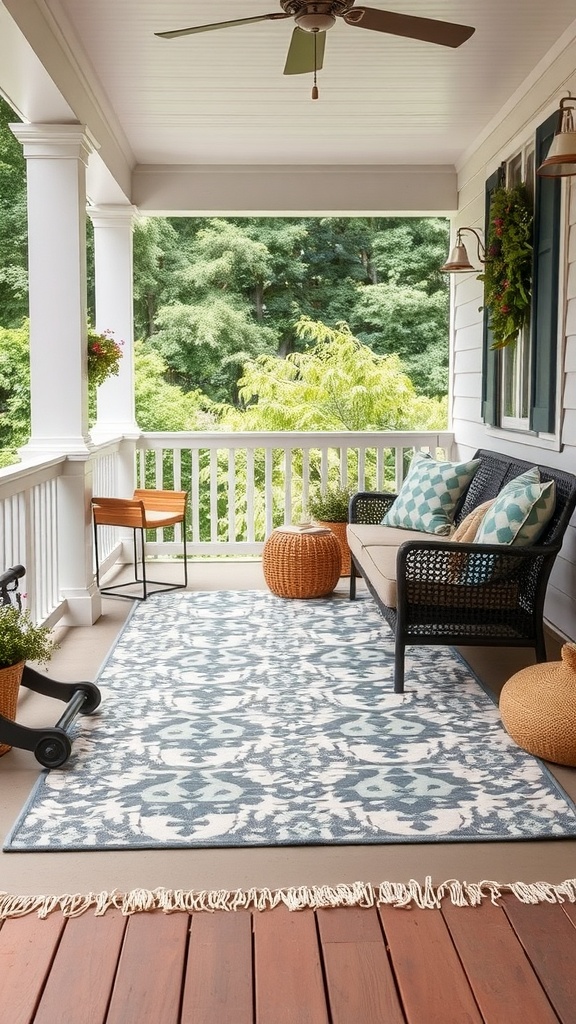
pixel 339 531
pixel 301 564
pixel 538 708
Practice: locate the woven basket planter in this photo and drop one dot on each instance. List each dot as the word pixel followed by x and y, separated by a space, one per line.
pixel 301 564
pixel 10 679
pixel 538 708
pixel 339 531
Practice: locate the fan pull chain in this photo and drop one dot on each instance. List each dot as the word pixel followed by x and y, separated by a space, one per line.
pixel 315 86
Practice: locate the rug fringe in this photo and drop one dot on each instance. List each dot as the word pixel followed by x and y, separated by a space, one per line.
pixel 358 894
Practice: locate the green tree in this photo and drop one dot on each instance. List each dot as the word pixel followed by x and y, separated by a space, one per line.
pixel 337 384
pixel 13 224
pixel 410 251
pixel 161 259
pixel 411 323
pixel 205 344
pixel 164 406
pixel 14 392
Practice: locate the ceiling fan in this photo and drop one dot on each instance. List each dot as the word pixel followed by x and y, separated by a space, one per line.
pixel 306 51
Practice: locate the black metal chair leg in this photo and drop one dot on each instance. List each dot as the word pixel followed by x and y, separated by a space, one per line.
pixel 399 657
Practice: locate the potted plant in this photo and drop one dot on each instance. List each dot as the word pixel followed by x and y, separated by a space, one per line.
pixel 21 640
pixel 329 508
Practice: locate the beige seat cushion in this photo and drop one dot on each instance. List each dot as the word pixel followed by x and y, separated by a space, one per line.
pixel 379 564
pixel 362 535
pixel 375 548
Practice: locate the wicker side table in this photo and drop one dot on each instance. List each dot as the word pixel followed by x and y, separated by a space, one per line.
pixel 301 564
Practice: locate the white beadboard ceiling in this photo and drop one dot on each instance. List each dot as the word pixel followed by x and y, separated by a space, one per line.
pixel 221 98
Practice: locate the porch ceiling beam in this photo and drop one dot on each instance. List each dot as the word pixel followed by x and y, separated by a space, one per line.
pixel 296 190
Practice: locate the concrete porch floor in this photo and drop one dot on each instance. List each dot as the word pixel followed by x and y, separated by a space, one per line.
pixel 82 652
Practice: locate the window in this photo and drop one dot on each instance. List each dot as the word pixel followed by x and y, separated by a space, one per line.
pixel 520 380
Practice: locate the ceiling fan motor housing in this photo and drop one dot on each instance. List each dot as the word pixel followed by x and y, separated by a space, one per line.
pixel 316 17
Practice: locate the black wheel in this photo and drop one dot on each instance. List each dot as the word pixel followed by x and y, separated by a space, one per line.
pixel 53 751
pixel 93 698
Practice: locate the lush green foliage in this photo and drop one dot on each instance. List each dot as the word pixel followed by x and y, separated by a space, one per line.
pixel 406 321
pixel 164 406
pixel 13 224
pixel 14 392
pixel 508 271
pixel 336 384
pixel 238 287
pixel 22 640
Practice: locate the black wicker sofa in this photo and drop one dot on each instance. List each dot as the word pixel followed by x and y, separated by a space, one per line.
pixel 420 588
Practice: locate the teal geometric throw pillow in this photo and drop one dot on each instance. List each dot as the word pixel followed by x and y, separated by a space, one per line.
pixel 521 511
pixel 429 495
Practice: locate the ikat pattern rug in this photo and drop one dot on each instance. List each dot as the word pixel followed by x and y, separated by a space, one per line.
pixel 245 719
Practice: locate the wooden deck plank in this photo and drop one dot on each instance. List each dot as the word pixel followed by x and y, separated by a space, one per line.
pixel 498 970
pixel 289 987
pixel 431 980
pixel 359 978
pixel 78 989
pixel 218 988
pixel 27 948
pixel 570 911
pixel 148 984
pixel 549 938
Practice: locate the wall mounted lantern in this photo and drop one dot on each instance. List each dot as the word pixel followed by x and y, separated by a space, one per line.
pixel 459 262
pixel 561 160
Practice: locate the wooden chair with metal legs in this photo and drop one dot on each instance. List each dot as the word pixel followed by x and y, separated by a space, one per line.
pixel 146 510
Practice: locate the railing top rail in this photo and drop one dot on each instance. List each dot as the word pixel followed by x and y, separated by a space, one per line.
pixel 283 438
pixel 24 475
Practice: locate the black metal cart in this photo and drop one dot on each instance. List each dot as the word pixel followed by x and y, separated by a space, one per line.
pixel 52 746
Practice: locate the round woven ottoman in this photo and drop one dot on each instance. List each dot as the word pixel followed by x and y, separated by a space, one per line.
pixel 339 531
pixel 301 564
pixel 538 708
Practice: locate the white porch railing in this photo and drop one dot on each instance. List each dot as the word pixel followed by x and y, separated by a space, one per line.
pixel 29 534
pixel 241 486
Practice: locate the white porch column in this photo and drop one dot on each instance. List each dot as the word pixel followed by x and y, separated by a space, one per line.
pixel 56 159
pixel 114 274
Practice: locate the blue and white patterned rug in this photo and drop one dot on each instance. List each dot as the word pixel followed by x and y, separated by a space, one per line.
pixel 243 719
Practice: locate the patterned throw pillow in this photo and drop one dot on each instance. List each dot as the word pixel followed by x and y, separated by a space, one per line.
pixel 520 512
pixel 429 495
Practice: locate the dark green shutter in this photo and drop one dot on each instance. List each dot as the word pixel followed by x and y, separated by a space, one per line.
pixel 490 358
pixel 545 288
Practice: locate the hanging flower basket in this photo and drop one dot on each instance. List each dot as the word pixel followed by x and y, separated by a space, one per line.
pixel 104 355
pixel 508 273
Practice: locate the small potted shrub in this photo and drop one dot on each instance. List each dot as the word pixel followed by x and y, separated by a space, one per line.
pixel 329 508
pixel 20 641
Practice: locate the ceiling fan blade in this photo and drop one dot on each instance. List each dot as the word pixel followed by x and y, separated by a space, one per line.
pixel 445 33
pixel 220 24
pixel 301 59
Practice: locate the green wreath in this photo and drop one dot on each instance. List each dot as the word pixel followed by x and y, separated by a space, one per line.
pixel 508 271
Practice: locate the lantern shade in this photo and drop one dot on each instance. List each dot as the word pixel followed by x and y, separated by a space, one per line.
pixel 458 261
pixel 561 160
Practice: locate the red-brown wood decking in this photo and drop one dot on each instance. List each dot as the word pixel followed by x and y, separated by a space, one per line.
pixel 506 964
